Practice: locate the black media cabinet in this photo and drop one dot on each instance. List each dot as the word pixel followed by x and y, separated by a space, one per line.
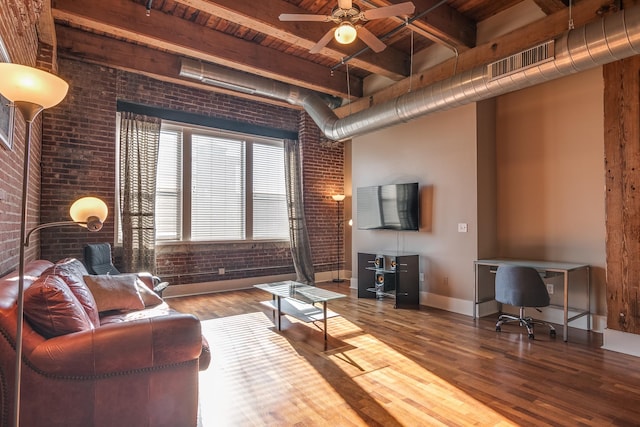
pixel 388 275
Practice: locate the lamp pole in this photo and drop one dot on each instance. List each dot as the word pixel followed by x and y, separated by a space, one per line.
pixel 31 90
pixel 338 198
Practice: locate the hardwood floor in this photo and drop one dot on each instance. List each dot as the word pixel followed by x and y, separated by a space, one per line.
pixel 396 367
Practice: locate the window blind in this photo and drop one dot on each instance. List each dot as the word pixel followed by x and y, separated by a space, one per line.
pixel 269 197
pixel 230 186
pixel 169 186
pixel 218 186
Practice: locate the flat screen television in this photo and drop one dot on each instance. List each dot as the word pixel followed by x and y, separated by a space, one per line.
pixel 388 207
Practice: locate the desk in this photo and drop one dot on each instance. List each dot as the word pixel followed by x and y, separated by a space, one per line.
pixel 298 300
pixel 485 289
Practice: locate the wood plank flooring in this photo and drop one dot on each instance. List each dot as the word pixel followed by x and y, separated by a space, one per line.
pixel 397 367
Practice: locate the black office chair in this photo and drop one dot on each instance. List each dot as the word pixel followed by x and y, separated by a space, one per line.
pixel 521 287
pixel 97 259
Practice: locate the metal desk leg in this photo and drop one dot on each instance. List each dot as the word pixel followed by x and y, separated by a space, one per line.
pixel 588 299
pixel 475 293
pixel 565 328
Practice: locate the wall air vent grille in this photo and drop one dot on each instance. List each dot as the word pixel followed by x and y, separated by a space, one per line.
pixel 521 61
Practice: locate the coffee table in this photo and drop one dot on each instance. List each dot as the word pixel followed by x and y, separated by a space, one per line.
pixel 298 300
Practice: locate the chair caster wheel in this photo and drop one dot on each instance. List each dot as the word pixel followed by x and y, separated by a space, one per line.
pixel 498 329
pixel 531 336
pixel 552 333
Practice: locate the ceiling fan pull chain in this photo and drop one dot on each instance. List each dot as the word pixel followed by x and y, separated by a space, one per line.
pixel 348 88
pixel 570 16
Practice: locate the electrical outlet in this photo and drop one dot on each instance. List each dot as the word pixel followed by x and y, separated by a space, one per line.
pixel 550 288
pixel 221 271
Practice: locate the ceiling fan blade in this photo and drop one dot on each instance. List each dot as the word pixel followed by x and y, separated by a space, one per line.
pixel 406 8
pixel 323 41
pixel 345 4
pixel 303 17
pixel 371 40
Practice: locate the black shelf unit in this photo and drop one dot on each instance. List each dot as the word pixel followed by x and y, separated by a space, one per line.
pixel 389 275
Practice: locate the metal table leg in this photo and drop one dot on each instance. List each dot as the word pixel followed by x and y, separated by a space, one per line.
pixel 324 311
pixel 279 314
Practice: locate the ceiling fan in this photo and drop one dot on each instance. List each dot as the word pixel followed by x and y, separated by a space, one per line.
pixel 347 15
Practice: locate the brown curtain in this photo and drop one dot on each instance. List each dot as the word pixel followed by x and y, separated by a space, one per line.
pixel 139 142
pixel 300 246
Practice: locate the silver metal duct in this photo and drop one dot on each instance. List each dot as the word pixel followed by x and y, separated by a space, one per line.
pixel 614 37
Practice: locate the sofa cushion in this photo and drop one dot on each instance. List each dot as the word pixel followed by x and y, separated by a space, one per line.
pixel 149 297
pixel 72 271
pixel 118 292
pixel 52 309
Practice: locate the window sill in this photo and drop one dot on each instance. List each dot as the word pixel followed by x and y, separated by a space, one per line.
pixel 168 246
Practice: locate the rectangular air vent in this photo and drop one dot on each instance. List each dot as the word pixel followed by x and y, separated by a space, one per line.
pixel 521 61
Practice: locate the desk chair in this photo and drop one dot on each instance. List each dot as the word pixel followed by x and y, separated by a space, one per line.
pixel 521 287
pixel 97 259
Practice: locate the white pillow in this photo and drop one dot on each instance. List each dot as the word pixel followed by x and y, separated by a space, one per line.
pixel 148 296
pixel 115 292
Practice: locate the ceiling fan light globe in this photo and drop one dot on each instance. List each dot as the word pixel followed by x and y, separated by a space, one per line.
pixel 345 33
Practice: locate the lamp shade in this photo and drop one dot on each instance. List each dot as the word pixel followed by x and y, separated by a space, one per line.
pixel 345 33
pixel 90 210
pixel 338 197
pixel 20 83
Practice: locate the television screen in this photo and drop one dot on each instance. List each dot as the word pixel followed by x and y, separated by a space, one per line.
pixel 391 207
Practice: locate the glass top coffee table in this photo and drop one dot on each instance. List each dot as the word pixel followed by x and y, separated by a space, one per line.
pixel 298 300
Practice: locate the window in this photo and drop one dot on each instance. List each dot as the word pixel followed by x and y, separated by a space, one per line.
pixel 219 186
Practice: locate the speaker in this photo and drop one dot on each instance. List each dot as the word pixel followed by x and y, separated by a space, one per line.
pixel 379 285
pixel 379 262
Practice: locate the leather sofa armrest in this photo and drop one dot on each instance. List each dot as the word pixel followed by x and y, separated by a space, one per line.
pixel 121 347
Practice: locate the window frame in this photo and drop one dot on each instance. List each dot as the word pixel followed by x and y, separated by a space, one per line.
pixel 188 130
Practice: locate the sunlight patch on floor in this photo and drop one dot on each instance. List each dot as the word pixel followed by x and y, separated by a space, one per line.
pixel 244 348
pixel 247 348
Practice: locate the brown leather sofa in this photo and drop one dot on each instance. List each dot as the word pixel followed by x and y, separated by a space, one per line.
pixel 114 368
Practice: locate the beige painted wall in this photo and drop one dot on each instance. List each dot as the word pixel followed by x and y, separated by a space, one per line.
pixel 438 150
pixel 550 174
pixel 543 200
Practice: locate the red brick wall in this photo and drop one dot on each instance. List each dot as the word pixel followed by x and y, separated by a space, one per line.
pixel 20 39
pixel 79 159
pixel 323 176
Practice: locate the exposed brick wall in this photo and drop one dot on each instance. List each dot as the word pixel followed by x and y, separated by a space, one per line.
pixel 78 156
pixel 323 176
pixel 20 39
pixel 79 159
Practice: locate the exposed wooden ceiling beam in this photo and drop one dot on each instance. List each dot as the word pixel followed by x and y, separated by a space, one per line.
pixel 127 20
pixel 442 24
pixel 516 41
pixel 551 6
pixel 262 16
pixel 118 54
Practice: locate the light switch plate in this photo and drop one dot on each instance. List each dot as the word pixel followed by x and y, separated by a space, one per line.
pixel 462 227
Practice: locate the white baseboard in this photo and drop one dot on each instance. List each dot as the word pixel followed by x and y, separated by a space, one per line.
pixel 446 303
pixel 222 285
pixel 621 342
pixel 237 284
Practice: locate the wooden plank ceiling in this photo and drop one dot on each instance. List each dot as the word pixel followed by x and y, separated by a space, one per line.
pixel 151 36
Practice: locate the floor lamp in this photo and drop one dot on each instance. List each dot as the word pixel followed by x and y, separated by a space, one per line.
pixel 338 198
pixel 30 90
